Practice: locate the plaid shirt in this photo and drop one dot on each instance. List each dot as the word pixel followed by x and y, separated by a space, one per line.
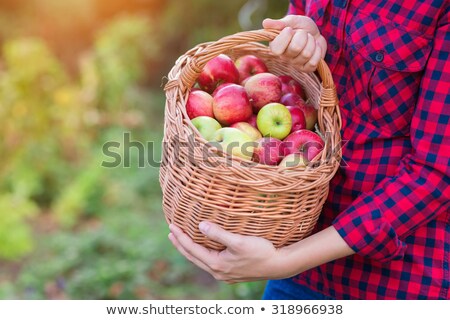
pixel 390 202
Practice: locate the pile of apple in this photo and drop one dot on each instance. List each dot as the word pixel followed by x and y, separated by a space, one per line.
pixel 254 114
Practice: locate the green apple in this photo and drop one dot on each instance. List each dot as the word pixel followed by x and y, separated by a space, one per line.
pixel 207 126
pixel 274 120
pixel 234 142
pixel 247 128
pixel 294 160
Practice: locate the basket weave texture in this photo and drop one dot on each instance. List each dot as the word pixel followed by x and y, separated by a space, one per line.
pixel 200 182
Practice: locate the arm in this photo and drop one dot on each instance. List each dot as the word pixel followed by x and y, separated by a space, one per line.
pixel 319 248
pixel 377 222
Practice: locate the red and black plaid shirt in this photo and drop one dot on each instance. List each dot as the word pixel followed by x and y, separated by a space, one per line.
pixel 391 202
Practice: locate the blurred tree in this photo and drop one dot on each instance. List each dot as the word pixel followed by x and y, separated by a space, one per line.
pixel 177 24
pixel 121 51
pixel 27 116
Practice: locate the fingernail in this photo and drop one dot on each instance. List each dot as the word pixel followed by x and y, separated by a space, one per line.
pixel 204 227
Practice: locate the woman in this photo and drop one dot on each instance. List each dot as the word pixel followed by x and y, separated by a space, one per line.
pixel 385 229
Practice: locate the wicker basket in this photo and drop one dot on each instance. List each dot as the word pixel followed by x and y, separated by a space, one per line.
pixel 200 183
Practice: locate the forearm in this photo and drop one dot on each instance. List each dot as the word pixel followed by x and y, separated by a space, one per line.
pixel 324 246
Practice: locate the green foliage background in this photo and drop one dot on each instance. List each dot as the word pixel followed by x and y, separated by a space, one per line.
pixel 75 75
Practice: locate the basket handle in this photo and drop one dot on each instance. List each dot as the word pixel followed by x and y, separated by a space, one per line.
pixel 213 49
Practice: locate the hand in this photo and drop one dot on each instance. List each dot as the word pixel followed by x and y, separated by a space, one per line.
pixel 299 40
pixel 244 259
pixel 251 258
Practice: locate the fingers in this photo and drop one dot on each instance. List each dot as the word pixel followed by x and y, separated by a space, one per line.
pixel 191 250
pixel 297 44
pixel 300 46
pixel 188 256
pixel 322 43
pixel 281 42
pixel 289 43
pixel 216 233
pixel 299 40
pixel 207 260
pixel 320 50
pixel 311 64
pixel 245 259
pixel 308 50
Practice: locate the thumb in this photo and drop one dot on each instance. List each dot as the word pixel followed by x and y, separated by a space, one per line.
pixel 293 21
pixel 216 233
pixel 273 24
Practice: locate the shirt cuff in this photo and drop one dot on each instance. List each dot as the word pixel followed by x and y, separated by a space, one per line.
pixel 365 230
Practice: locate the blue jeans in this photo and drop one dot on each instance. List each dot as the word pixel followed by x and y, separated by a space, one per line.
pixel 287 289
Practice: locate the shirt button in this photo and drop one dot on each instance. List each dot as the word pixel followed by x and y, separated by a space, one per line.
pixel 379 57
pixel 336 47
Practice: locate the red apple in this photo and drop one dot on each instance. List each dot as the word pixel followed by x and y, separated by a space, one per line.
pixel 290 85
pixel 223 85
pixel 199 103
pixel 262 89
pixel 291 99
pixel 249 65
pixel 247 128
pixel 218 70
pixel 298 118
pixel 252 120
pixel 244 82
pixel 310 113
pixel 305 142
pixel 231 105
pixel 268 151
